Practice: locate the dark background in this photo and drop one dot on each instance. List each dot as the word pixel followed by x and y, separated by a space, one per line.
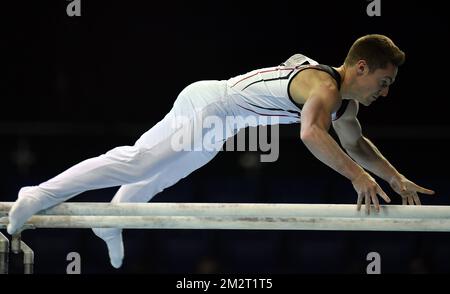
pixel 75 87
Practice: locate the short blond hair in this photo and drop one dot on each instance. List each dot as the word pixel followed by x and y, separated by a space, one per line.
pixel 376 50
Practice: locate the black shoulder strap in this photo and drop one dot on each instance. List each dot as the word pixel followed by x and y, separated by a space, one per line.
pixel 342 108
pixel 334 73
pixel 337 77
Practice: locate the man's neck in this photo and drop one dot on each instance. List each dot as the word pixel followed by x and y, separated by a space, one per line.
pixel 345 90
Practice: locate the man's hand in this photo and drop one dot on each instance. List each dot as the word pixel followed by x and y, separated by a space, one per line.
pixel 408 190
pixel 367 189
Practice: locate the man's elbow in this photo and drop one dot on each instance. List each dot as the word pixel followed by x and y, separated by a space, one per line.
pixel 309 133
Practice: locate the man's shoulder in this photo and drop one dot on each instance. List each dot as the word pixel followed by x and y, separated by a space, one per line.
pixel 317 79
pixel 310 82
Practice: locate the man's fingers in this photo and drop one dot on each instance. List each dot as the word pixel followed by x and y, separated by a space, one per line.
pixel 359 203
pixel 423 190
pixel 374 197
pixel 416 199
pixel 410 200
pixel 367 200
pixel 383 195
pixel 404 200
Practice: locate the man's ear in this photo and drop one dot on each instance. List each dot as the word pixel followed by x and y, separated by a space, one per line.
pixel 361 67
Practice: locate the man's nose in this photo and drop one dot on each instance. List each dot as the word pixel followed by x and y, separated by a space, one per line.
pixel 384 92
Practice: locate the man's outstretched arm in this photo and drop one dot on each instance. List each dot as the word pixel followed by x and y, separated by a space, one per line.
pixel 315 123
pixel 367 155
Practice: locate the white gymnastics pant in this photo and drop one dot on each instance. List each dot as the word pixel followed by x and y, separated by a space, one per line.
pixel 151 164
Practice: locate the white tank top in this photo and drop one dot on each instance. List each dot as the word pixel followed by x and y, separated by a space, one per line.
pixel 266 91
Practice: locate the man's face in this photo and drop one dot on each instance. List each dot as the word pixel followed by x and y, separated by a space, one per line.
pixel 371 85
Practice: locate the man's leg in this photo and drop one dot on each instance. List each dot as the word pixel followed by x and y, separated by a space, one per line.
pixel 143 191
pixel 167 174
pixel 152 163
pixel 119 166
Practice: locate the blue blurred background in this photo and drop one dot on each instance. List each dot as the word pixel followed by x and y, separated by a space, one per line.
pixel 76 87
